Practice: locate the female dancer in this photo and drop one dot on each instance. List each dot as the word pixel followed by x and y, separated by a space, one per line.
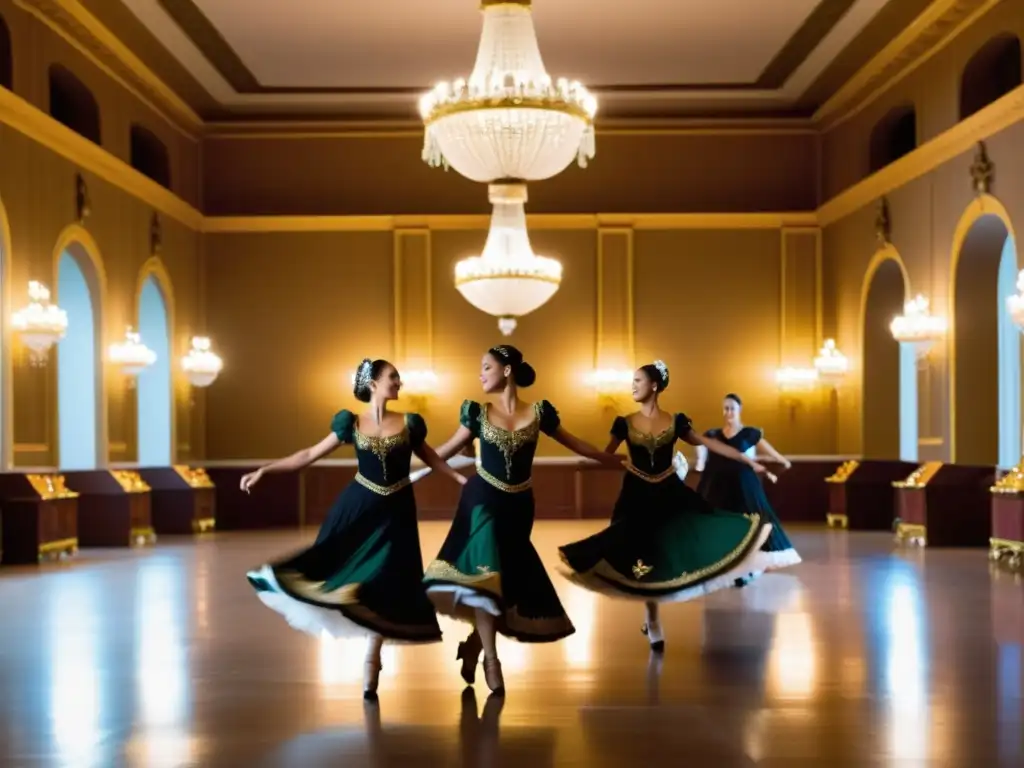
pixel 487 571
pixel 664 542
pixel 732 486
pixel 364 574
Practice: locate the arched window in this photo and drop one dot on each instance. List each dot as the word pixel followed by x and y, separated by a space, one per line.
pixel 72 104
pixel 894 136
pixel 149 156
pixel 6 57
pixel 992 72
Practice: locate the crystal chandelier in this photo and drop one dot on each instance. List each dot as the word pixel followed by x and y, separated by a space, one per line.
pixel 41 324
pixel 201 366
pixel 131 355
pixel 1015 304
pixel 507 280
pixel 509 120
pixel 830 362
pixel 917 325
pixel 796 378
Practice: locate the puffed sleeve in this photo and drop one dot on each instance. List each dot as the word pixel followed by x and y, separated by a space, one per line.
pixel 417 429
pixel 620 428
pixel 754 435
pixel 683 425
pixel 469 416
pixel 550 421
pixel 342 425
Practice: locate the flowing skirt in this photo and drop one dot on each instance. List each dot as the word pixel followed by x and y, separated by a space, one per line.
pixel 488 562
pixel 665 544
pixel 741 491
pixel 362 576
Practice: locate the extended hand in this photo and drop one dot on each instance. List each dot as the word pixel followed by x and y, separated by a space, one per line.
pixel 461 479
pixel 787 464
pixel 249 480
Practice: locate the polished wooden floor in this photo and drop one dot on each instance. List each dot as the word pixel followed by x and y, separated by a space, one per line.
pixel 862 656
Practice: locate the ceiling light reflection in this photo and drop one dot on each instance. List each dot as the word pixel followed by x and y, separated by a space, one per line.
pixel 906 669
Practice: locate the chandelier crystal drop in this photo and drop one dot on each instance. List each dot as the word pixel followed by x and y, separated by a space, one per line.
pixel 917 325
pixel 40 324
pixel 507 280
pixel 131 355
pixel 201 366
pixel 509 119
pixel 830 362
pixel 1015 303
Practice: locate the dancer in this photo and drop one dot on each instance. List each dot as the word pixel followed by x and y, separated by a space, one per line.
pixel 730 485
pixel 487 571
pixel 363 575
pixel 664 543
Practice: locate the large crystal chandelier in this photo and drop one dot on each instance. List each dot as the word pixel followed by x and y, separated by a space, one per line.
pixel 509 120
pixel 131 355
pixel 508 280
pixel 917 325
pixel 41 324
pixel 1015 303
pixel 202 366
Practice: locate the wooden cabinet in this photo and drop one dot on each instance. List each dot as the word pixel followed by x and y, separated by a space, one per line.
pixel 38 518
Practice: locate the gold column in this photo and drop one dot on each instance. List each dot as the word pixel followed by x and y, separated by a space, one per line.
pixel 616 325
pixel 413 302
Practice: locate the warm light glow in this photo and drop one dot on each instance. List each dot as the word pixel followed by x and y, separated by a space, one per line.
pixel 201 366
pixel 917 325
pixel 578 647
pixel 508 280
pixel 906 666
pixel 796 378
pixel 610 382
pixel 793 661
pixel 131 355
pixel 419 383
pixel 342 660
pixel 509 119
pixel 1015 304
pixel 40 324
pixel 830 362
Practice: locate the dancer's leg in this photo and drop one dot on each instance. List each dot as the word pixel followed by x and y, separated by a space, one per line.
pixel 485 627
pixel 653 628
pixel 371 674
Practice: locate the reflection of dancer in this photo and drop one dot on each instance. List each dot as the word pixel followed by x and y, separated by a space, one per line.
pixel 487 571
pixel 364 574
pixel 664 542
pixel 733 486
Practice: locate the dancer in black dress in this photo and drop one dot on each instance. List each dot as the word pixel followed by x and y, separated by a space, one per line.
pixel 487 572
pixel 664 543
pixel 731 485
pixel 364 573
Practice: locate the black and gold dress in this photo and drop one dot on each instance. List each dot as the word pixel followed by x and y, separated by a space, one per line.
pixel 364 573
pixel 664 543
pixel 487 561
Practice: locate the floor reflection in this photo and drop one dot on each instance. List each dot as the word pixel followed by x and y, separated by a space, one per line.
pixel 858 657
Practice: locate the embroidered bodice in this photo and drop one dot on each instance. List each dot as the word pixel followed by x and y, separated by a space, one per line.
pixel 651 454
pixel 382 460
pixel 507 455
pixel 744 441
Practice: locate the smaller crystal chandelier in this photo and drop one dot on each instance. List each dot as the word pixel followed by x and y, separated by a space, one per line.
pixel 508 280
pixel 419 383
pixel 1015 304
pixel 796 378
pixel 131 355
pixel 918 326
pixel 830 362
pixel 41 324
pixel 201 366
pixel 612 385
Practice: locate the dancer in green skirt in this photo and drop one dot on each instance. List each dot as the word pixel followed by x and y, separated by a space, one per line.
pixel 364 573
pixel 665 543
pixel 487 571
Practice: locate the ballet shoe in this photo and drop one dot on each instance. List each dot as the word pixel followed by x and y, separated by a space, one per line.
pixel 654 636
pixel 469 654
pixel 371 676
pixel 493 676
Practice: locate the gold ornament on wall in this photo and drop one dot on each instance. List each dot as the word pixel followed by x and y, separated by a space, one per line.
pixel 83 203
pixel 982 171
pixel 156 235
pixel 883 224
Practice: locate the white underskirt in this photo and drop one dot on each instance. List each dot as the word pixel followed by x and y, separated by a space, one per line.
pixel 461 602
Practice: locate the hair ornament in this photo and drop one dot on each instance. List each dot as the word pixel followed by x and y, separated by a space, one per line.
pixel 363 373
pixel 662 368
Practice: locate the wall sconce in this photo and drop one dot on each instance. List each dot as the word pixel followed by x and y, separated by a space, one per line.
pixel 613 387
pixel 131 356
pixel 796 379
pixel 201 366
pixel 418 386
pixel 41 324
pixel 1015 304
pixel 918 327
pixel 831 364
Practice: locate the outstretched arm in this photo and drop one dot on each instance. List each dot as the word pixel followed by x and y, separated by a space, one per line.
pixel 585 449
pixel 298 460
pixel 721 449
pixel 431 458
pixel 769 449
pixel 456 443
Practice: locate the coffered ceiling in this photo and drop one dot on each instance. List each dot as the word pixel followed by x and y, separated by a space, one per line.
pixel 240 58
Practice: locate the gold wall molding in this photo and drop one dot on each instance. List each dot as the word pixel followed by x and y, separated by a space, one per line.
pixel 982 205
pixel 6 339
pixel 795 299
pixel 615 342
pixel 413 299
pixel 27 119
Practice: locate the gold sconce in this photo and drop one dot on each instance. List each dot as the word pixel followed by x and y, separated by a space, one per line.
pixel 613 387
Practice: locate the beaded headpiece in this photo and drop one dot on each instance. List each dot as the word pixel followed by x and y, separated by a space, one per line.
pixel 662 369
pixel 363 373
